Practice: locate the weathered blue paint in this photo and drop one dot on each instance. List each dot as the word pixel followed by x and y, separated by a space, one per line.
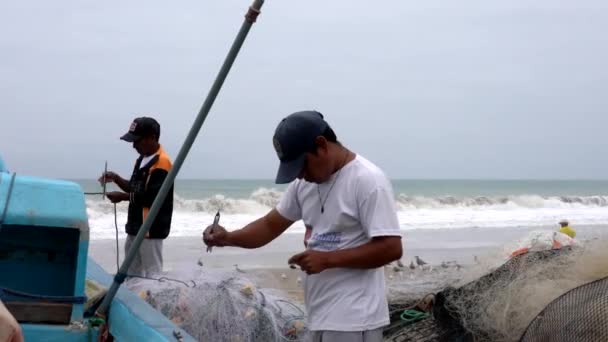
pixel 44 202
pixel 58 333
pixel 45 231
pixel 44 242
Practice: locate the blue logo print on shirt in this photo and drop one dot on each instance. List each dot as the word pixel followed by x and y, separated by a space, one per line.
pixel 325 241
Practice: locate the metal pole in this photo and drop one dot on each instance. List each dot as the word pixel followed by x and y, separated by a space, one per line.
pixel 250 18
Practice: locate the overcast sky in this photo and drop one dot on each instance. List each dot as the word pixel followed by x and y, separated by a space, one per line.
pixel 432 89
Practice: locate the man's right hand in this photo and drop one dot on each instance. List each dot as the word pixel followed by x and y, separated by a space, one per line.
pixel 117 196
pixel 215 236
pixel 108 177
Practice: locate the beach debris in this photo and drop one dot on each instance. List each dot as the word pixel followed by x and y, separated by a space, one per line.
pixel 412 266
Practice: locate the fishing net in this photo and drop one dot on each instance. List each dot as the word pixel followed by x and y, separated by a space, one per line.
pixel 224 306
pixel 497 303
pixel 579 315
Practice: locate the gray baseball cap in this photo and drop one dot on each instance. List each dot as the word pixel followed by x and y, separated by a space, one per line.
pixel 294 136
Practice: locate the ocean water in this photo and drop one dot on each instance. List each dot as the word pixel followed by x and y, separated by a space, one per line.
pixel 421 204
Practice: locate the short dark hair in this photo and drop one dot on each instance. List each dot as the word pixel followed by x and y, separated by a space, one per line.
pixel 330 135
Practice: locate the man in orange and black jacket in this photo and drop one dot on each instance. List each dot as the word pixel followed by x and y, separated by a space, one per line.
pixel 149 173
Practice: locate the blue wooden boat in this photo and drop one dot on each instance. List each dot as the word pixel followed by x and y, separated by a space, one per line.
pixel 44 268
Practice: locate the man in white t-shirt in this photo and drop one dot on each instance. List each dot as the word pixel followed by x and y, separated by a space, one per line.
pixel 347 206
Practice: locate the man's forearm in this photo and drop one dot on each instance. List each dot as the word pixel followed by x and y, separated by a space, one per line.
pixel 124 196
pixel 122 183
pixel 259 232
pixel 252 235
pixel 376 253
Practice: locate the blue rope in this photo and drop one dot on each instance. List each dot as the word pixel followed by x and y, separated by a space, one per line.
pixel 5 292
pixel 8 200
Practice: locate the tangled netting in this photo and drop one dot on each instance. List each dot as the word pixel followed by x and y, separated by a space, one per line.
pixel 498 304
pixel 224 306
pixel 580 315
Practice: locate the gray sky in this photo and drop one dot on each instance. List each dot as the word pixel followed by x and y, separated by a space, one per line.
pixel 433 89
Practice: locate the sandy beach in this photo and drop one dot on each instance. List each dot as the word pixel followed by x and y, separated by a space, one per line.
pixel 268 265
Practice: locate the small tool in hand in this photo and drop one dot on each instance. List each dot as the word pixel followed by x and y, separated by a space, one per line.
pixel 216 221
pixel 104 185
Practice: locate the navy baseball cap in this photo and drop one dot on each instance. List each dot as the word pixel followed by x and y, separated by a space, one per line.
pixel 294 136
pixel 140 128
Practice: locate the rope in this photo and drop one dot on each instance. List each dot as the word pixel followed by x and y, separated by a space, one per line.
pixel 161 279
pixel 117 249
pixel 412 316
pixel 4 292
pixel 122 276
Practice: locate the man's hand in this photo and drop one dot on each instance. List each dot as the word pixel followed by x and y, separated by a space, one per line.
pixel 113 177
pixel 117 196
pixel 311 261
pixel 215 236
pixel 108 177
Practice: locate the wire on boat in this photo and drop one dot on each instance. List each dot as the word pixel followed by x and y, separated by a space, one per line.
pixel 161 279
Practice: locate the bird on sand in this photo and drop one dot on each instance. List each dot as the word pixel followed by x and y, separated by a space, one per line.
pixel 419 261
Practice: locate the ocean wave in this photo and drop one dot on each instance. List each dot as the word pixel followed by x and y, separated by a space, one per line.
pixel 506 202
pixel 191 216
pixel 261 200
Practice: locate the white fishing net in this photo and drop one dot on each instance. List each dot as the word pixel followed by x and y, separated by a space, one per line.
pixel 496 298
pixel 499 305
pixel 224 306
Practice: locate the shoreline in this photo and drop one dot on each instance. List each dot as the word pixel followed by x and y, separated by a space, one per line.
pixel 434 246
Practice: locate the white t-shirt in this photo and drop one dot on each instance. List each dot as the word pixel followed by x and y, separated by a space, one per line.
pixel 361 205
